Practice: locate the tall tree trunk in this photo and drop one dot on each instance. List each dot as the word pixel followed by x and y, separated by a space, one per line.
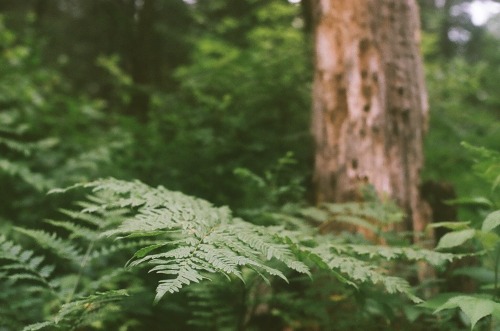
pixel 142 56
pixel 369 102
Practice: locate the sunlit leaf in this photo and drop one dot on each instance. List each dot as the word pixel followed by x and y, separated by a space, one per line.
pixel 454 239
pixel 474 308
pixel 491 221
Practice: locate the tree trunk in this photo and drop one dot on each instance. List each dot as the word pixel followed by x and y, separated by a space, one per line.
pixel 369 102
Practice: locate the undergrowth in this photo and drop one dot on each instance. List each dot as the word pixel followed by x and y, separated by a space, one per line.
pixel 183 242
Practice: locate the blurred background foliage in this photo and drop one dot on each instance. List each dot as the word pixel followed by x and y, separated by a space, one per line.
pixel 209 97
pixel 181 93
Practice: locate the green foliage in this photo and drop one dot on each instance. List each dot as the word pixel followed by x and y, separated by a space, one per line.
pixel 25 265
pixel 464 107
pixel 48 137
pixel 485 239
pixel 234 107
pixel 72 286
pixel 82 311
pixel 184 241
pixel 17 97
pixel 190 96
pixel 24 276
pixel 197 238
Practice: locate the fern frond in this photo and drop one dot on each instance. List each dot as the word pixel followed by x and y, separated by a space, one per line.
pixel 216 307
pixel 121 246
pixel 13 145
pixel 85 218
pixel 60 247
pixel 184 273
pixel 408 253
pixel 38 326
pixel 385 212
pixel 186 239
pixel 77 312
pixel 17 169
pixel 357 271
pixel 76 231
pixel 192 236
pixel 22 264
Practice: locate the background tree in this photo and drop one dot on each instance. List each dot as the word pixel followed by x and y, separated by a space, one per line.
pixel 369 102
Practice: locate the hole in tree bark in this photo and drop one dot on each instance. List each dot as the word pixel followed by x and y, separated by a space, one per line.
pixel 367 91
pixel 366 107
pixel 395 129
pixel 406 114
pixel 333 180
pixel 354 164
pixel 364 44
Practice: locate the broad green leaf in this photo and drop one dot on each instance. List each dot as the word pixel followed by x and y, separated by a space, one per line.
pixel 491 221
pixel 496 183
pixel 489 240
pixel 456 238
pixel 412 313
pixel 143 251
pixel 450 225
pixel 480 274
pixel 479 201
pixel 438 300
pixel 474 308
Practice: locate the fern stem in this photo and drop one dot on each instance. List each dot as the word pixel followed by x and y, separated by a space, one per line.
pixel 80 272
pixel 496 266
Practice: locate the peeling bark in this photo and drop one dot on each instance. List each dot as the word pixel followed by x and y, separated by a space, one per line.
pixel 369 102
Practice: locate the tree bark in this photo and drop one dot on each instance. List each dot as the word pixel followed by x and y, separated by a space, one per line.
pixel 369 102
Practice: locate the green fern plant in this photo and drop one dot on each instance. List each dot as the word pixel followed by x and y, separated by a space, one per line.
pixel 184 241
pixel 78 292
pixel 196 239
pixel 15 151
pixel 25 277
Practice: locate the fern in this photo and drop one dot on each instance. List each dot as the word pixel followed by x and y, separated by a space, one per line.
pixel 25 282
pixel 15 150
pixel 399 253
pixel 194 239
pixel 79 312
pixel 20 264
pixel 372 214
pixel 62 248
pixel 185 241
pixel 78 288
pixel 200 238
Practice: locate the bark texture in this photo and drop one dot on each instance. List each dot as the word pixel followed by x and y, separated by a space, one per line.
pixel 369 102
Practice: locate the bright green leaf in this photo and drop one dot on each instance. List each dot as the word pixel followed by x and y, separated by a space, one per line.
pixel 454 239
pixel 478 201
pixel 145 250
pixel 474 308
pixel 491 221
pixel 450 225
